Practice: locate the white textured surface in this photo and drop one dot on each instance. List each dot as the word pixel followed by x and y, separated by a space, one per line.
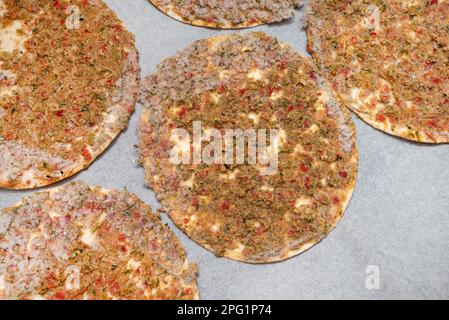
pixel 398 218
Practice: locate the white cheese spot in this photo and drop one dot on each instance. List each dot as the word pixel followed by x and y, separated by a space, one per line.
pixel 276 95
pixel 372 21
pixel 111 296
pixel 73 278
pixel 3 284
pixel 282 137
pixel 28 176
pixel 2 8
pixel 254 117
pixel 255 74
pixel 10 39
pixel 7 83
pixel 319 107
pixel 380 107
pixel 229 176
pixel 54 214
pixel 355 100
pixel 324 182
pixel 175 110
pixel 354 95
pixel 133 264
pixel 323 100
pixel 215 97
pixel 189 183
pixel 300 202
pixel 314 128
pixel 215 227
pixel 102 218
pixel 267 188
pixel 33 236
pixel 299 149
pixel 317 163
pixel 411 3
pixel 37 297
pixel 110 118
pixel 238 250
pixel 223 74
pixel 88 237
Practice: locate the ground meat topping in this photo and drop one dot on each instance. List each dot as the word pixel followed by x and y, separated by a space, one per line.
pixel 67 90
pixel 389 61
pixel 229 13
pixel 81 242
pixel 249 82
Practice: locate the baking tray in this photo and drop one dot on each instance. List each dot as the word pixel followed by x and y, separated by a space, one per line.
pixel 396 228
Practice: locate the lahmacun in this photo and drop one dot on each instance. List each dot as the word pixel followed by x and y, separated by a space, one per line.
pixel 82 242
pixel 388 61
pixel 69 78
pixel 246 82
pixel 228 14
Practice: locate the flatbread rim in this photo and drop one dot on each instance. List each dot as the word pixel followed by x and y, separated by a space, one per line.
pixel 132 68
pixel 210 25
pixel 349 190
pixel 401 130
pixel 93 188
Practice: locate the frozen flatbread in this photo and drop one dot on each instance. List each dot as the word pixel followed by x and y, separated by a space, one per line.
pixel 228 14
pixel 388 61
pixel 244 210
pixel 82 242
pixel 69 78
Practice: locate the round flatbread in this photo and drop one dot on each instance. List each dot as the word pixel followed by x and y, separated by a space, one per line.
pixel 244 210
pixel 69 79
pixel 81 242
pixel 228 14
pixel 389 62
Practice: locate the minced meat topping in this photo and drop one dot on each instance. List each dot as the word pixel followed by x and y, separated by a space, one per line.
pixel 228 13
pixel 389 60
pixel 249 82
pixel 65 79
pixel 81 242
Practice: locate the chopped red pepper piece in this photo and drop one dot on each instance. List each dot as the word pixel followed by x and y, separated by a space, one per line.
pixel 60 295
pixel 225 206
pixel 59 113
pixel 86 154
